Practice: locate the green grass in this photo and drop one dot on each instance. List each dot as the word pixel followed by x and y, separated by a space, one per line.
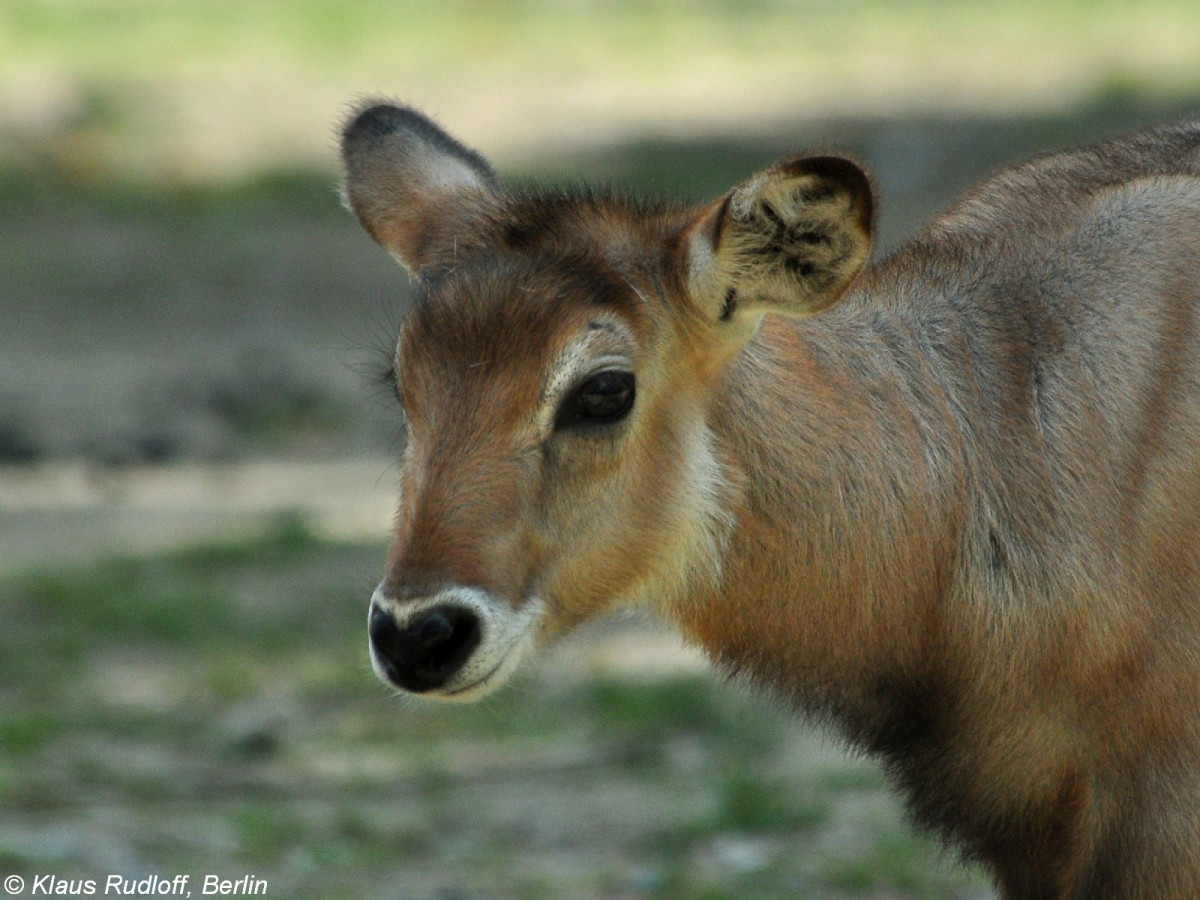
pixel 185 600
pixel 752 802
pixel 892 862
pixel 24 735
pixel 265 833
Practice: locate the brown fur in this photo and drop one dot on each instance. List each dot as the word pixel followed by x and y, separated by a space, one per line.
pixel 955 514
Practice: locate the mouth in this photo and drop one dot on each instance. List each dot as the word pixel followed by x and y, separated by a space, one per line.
pixel 473 691
pixel 499 674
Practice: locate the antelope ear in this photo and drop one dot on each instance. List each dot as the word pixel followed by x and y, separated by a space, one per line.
pixel 404 175
pixel 791 239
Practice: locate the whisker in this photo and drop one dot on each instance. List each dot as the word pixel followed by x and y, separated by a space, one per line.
pixel 633 287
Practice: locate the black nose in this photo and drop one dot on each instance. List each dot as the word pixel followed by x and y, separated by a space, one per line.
pixel 431 647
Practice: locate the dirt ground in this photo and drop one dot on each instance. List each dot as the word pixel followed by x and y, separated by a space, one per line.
pixel 68 513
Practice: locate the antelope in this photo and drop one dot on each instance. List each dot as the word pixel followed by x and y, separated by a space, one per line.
pixel 947 503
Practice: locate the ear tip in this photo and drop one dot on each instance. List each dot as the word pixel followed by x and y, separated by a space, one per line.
pixel 375 118
pixel 381 125
pixel 835 168
pixel 852 176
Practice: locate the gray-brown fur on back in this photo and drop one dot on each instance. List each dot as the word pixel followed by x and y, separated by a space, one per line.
pixel 1047 190
pixel 1055 314
pixel 1075 281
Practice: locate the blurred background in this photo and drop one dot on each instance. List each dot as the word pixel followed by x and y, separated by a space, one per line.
pixel 196 455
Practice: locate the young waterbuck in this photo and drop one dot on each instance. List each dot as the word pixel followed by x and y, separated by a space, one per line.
pixel 948 503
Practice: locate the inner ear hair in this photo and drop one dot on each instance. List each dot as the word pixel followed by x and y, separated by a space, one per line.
pixel 790 239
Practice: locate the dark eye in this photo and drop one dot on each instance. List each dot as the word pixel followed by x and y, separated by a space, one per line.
pixel 604 397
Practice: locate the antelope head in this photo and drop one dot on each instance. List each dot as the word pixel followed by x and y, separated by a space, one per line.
pixel 559 372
